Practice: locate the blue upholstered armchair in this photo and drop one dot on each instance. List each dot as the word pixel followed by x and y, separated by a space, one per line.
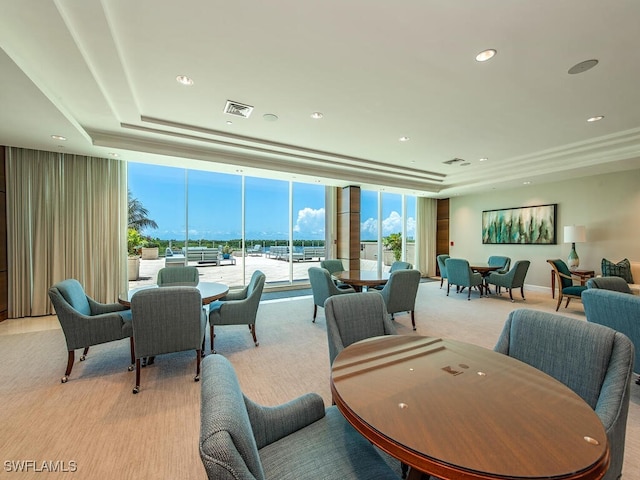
pixel 332 266
pixel 459 273
pixel 498 261
pixel 86 322
pixel 299 440
pixel 238 307
pixel 514 278
pixel 616 310
pixel 178 276
pixel 564 281
pixel 594 361
pixel 323 287
pixel 167 320
pixel 399 293
pixel 354 317
pixel 441 259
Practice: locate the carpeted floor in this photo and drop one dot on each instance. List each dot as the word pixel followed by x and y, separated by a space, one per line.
pixel 95 421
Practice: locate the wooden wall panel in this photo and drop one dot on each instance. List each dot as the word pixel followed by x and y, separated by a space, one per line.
pixel 349 226
pixel 442 229
pixel 4 292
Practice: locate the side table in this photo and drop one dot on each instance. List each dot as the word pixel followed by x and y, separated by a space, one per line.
pixel 583 274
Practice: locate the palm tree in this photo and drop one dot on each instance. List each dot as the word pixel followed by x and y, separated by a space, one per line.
pixel 138 218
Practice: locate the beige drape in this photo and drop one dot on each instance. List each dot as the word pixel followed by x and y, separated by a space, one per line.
pixel 66 217
pixel 426 223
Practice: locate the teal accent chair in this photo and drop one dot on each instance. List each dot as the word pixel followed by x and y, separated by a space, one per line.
pixel 301 439
pixel 178 277
pixel 594 361
pixel 514 278
pixel 400 291
pixel 459 273
pixel 167 320
pixel 497 261
pixel 335 265
pixel 397 265
pixel 354 317
pixel 86 322
pixel 239 307
pixel 617 284
pixel 323 287
pixel 617 310
pixel 441 259
pixel 564 282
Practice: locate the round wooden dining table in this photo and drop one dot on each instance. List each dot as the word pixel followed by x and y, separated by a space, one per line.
pixel 210 291
pixel 362 278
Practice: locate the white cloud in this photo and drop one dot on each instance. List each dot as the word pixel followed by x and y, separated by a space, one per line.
pixel 391 224
pixel 370 227
pixel 310 221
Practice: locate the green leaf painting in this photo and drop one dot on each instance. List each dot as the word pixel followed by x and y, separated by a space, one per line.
pixel 522 225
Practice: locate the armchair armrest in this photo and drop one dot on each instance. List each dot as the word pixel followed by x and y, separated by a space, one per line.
pixel 98 308
pixel 236 295
pixel 270 424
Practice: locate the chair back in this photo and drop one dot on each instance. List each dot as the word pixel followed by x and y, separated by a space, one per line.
pixel 441 259
pixel 353 317
pixel 70 292
pixel 254 290
pixel 519 272
pixel 400 291
pixel 228 447
pixel 560 267
pixel 458 272
pixel 616 310
pixel 592 360
pixel 398 265
pixel 616 284
pixel 332 265
pixel 497 261
pixel 322 285
pixel 178 276
pixel 166 320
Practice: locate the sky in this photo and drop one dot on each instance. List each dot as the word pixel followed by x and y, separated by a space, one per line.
pixel 214 206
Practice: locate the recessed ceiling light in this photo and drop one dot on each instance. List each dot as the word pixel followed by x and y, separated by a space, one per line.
pixel 184 80
pixel 270 117
pixel 595 119
pixel 486 55
pixel 114 154
pixel 526 183
pixel 58 137
pixel 404 139
pixel 229 122
pixel 484 159
pixel 317 115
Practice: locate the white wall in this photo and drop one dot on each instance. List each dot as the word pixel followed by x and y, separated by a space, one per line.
pixel 608 205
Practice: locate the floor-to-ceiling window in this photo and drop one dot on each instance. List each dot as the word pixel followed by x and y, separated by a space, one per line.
pixel 308 224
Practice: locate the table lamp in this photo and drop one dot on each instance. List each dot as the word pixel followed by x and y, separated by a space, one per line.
pixel 574 234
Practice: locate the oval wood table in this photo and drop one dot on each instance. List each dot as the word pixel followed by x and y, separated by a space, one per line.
pixel 362 278
pixel 459 411
pixel 210 292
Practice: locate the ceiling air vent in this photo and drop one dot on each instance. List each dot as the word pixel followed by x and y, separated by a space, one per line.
pixel 454 161
pixel 238 109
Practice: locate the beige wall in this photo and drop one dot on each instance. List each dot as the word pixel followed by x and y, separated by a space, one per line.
pixel 608 205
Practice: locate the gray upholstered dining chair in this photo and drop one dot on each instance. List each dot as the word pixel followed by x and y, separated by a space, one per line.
pixel 564 281
pixel 238 307
pixel 322 287
pixel 617 284
pixel 441 259
pixel 354 317
pixel 514 278
pixel 178 276
pixel 459 273
pixel 301 439
pixel 499 261
pixel 86 322
pixel 334 265
pixel 592 360
pixel 399 293
pixel 167 320
pixel 617 310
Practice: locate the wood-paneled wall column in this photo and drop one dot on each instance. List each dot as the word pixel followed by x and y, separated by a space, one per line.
pixel 4 285
pixel 349 226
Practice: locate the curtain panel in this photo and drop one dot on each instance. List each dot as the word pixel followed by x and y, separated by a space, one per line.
pixel 426 223
pixel 66 218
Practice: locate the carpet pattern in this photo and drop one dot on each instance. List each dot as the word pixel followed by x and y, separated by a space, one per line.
pixel 95 420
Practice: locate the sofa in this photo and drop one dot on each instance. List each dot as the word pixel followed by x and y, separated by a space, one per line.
pixel 634 269
pixel 241 440
pixel 635 273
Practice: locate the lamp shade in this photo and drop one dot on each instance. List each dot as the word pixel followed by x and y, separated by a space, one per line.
pixel 575 234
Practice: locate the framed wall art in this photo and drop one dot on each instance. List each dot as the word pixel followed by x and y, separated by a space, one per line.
pixel 520 225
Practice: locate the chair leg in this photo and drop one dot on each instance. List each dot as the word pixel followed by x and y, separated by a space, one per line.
pixel 559 301
pixel 567 304
pixel 252 327
pixel 132 347
pixel 413 320
pixel 213 335
pixel 84 354
pixel 136 389
pixel 198 357
pixel 441 282
pixel 315 312
pixel 511 295
pixel 70 360
pixel 522 292
pixel 404 468
pixel 448 284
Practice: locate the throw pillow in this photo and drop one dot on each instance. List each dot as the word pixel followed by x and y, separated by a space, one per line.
pixel 621 269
